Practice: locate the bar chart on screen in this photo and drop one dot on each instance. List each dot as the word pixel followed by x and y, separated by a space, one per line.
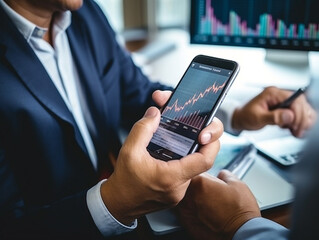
pixel 279 24
pixel 265 26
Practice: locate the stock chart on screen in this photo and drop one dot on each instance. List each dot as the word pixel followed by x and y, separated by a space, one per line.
pixel 277 24
pixel 189 109
pixel 193 110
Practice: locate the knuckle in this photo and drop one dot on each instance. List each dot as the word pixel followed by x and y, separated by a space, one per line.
pixel 241 185
pixel 125 152
pixel 222 127
pixel 128 151
pixel 165 184
pixel 199 183
pixel 139 125
pixel 218 144
pixel 219 126
pixel 208 163
pixel 270 89
pixel 208 159
pixel 175 198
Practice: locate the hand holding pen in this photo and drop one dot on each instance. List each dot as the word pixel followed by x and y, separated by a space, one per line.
pixel 286 103
pixel 304 115
pixel 293 111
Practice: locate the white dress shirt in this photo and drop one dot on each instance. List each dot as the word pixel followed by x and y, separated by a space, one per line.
pixel 59 64
pixel 225 114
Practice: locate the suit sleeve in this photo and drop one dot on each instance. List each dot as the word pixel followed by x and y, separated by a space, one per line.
pixel 57 220
pixel 259 229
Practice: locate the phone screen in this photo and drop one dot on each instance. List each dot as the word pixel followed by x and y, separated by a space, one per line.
pixel 190 108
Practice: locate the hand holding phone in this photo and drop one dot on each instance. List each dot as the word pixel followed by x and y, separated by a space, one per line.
pixel 192 106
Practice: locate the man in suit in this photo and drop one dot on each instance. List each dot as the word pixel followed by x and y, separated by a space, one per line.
pixel 66 86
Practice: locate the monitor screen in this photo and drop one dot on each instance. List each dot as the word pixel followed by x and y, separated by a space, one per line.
pixel 271 24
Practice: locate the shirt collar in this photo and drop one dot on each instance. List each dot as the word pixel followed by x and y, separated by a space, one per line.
pixel 29 29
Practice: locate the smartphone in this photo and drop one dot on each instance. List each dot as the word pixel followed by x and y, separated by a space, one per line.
pixel 192 106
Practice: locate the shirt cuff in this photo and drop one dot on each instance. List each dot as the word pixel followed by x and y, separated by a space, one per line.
pixel 261 228
pixel 102 218
pixel 225 114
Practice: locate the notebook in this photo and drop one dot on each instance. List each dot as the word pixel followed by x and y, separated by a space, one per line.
pixel 285 150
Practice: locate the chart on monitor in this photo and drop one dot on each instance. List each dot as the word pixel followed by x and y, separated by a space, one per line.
pixel 276 24
pixel 281 33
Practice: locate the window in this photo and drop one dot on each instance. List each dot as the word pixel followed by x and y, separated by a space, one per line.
pixel 167 13
pixel 113 9
pixel 172 13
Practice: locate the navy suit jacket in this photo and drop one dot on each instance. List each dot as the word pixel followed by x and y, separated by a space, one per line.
pixel 45 170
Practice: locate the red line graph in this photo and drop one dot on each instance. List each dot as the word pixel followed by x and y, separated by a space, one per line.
pixel 175 107
pixel 180 112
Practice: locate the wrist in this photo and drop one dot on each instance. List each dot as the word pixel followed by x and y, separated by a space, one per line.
pixel 235 121
pixel 232 227
pixel 116 203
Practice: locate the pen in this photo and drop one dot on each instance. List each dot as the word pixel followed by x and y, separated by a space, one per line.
pixel 286 103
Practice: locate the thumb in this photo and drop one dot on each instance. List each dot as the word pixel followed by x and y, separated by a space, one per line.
pixel 227 176
pixel 143 130
pixel 280 117
pixel 283 117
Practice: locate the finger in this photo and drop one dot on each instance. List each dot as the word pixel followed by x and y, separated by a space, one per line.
pixel 307 120
pixel 284 117
pixel 312 117
pixel 205 180
pixel 161 97
pixel 209 178
pixel 302 125
pixel 280 117
pixel 212 132
pixel 144 129
pixel 196 163
pixel 298 107
pixel 210 150
pixel 227 176
pixel 274 95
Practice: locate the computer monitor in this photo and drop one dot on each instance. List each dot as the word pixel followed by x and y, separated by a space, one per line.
pixel 269 24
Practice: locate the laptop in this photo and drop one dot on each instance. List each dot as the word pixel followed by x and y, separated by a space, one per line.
pixel 285 150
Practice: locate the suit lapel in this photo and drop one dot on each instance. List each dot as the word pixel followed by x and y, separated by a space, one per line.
pixel 90 81
pixel 32 73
